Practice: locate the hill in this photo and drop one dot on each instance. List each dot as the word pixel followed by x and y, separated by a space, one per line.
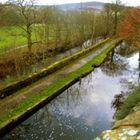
pixel 84 5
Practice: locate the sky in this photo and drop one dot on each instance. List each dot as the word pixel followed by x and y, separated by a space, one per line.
pixel 50 2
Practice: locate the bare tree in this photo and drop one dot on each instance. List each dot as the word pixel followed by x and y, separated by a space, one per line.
pixel 28 14
pixel 116 8
pixel 113 12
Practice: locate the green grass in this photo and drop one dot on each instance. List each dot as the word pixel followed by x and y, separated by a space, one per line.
pixel 14 36
pixel 8 40
pixel 128 105
pixel 32 101
pixel 11 37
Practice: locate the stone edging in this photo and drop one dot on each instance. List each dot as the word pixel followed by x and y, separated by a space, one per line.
pixel 17 119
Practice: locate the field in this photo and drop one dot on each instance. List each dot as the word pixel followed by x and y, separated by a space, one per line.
pixel 12 37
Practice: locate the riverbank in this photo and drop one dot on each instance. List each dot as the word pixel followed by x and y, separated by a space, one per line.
pixel 129 105
pixel 127 126
pixel 26 104
pixel 125 129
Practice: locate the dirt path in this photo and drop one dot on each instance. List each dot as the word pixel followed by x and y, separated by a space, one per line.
pixel 13 49
pixel 15 99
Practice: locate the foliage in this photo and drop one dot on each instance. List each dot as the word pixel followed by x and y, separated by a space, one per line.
pixel 130 26
pixel 48 28
pixel 113 13
pixel 51 23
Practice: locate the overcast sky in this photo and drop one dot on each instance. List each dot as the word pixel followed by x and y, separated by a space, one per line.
pixel 126 2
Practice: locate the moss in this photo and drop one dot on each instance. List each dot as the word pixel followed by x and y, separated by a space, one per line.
pixel 31 102
pixel 128 105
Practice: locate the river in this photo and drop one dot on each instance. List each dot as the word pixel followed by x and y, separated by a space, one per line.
pixel 85 109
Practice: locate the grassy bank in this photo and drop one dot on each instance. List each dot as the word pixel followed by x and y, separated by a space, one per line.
pixel 128 105
pixel 11 37
pixel 12 115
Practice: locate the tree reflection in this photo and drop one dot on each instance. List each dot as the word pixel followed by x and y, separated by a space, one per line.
pixel 139 71
pixel 114 64
pixel 125 49
pixel 69 98
pixel 118 101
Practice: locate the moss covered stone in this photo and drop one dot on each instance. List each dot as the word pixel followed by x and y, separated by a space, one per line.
pixel 121 134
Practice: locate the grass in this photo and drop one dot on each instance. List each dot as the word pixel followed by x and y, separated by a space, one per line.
pixel 128 105
pixel 10 37
pixel 13 36
pixel 32 101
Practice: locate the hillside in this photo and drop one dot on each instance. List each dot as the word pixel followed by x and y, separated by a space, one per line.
pixel 85 5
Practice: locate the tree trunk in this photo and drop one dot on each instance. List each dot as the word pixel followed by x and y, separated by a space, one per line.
pixel 29 38
pixel 107 28
pixel 29 43
pixel 139 56
pixel 115 22
pixel 112 56
pixel 139 69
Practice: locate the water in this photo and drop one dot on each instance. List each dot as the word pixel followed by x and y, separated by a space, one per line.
pixel 84 110
pixel 62 55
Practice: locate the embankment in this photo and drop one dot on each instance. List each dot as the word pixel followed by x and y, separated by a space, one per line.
pixel 12 117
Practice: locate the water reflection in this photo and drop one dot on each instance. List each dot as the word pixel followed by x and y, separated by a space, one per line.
pixel 84 109
pixel 118 101
pixel 115 64
pixel 124 49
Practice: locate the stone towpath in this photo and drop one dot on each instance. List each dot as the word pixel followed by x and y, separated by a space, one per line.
pixel 20 96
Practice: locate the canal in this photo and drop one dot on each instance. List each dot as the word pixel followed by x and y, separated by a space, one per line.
pixel 85 109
